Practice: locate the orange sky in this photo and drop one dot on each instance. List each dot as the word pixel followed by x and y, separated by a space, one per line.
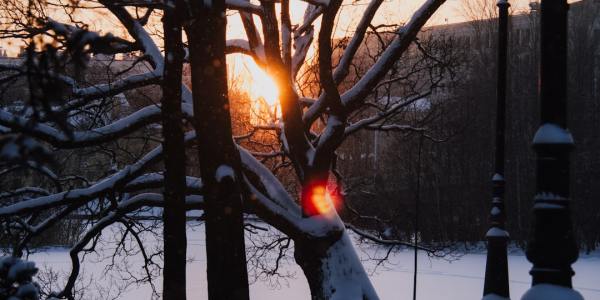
pixel 254 80
pixel 392 11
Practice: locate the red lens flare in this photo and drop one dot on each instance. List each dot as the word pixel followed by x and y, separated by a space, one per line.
pixel 320 199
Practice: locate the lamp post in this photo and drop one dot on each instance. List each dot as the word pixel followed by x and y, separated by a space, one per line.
pixel 496 270
pixel 552 247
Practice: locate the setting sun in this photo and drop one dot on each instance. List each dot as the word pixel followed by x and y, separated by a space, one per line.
pixel 260 85
pixel 247 76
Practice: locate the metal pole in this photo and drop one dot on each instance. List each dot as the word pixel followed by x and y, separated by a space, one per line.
pixel 416 231
pixel 552 248
pixel 496 270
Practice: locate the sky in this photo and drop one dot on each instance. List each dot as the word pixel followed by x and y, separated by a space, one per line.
pixel 255 80
pixel 392 11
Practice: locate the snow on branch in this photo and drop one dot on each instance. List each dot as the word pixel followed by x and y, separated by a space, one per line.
pixel 24 191
pixel 81 195
pixel 342 70
pixel 149 47
pixel 244 6
pixel 119 128
pixel 255 43
pixel 243 46
pixel 318 2
pixel 310 15
pixel 402 40
pixel 373 238
pixel 86 94
pixel 139 34
pixel 334 132
pixel 156 181
pixel 78 38
pixel 117 87
pixel 301 46
pixel 272 187
pixel 275 205
pixel 371 121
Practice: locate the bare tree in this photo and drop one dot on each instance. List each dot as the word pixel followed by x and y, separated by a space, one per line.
pixel 174 216
pixel 309 132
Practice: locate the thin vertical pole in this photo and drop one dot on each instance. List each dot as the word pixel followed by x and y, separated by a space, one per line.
pixel 416 233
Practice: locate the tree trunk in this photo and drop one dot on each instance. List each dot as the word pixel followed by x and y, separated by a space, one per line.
pixel 174 154
pixel 333 269
pixel 218 155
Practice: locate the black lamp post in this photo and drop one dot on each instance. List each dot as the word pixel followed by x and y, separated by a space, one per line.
pixel 496 270
pixel 552 247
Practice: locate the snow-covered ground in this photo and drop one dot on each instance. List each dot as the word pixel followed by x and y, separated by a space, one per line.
pixel 461 279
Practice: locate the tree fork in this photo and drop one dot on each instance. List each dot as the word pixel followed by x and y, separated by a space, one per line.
pixel 175 243
pixel 218 156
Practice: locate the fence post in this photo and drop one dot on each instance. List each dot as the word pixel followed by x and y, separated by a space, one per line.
pixel 552 247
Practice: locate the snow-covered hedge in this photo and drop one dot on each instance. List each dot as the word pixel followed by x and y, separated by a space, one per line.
pixel 16 279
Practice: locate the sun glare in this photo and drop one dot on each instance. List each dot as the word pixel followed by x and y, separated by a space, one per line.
pixel 250 79
pixel 261 85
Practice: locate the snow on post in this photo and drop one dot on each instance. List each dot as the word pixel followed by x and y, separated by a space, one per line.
pixel 552 248
pixel 550 133
pixel 224 171
pixel 496 269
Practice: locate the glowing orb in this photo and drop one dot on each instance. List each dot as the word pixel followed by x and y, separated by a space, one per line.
pixel 319 200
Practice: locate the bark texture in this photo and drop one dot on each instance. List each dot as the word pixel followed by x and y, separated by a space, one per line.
pixel 175 242
pixel 218 156
pixel 333 269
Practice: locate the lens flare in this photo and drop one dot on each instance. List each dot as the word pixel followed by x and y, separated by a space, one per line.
pixel 320 200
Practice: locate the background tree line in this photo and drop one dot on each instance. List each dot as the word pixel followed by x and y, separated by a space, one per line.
pixel 456 145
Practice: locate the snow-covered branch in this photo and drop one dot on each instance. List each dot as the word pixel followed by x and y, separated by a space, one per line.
pixel 310 15
pixel 373 238
pixel 244 47
pixel 404 37
pixel 372 120
pixel 245 6
pixel 156 181
pixel 78 38
pixel 334 132
pixel 275 205
pixel 82 195
pixel 137 31
pixel 318 2
pixel 119 128
pixel 342 70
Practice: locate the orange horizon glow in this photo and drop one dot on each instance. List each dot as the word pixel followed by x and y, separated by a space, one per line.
pixel 103 21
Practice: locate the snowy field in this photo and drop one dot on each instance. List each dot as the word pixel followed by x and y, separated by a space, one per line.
pixel 461 279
